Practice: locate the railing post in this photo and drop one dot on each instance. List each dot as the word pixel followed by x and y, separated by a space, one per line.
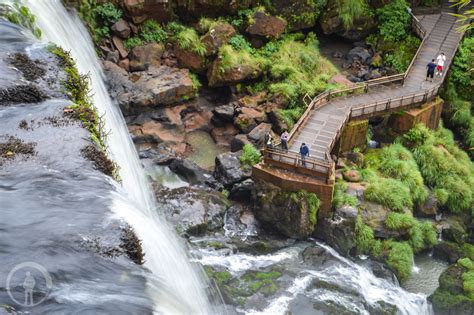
pixel 366 88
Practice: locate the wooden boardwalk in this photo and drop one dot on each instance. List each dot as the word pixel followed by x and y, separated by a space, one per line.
pixel 324 124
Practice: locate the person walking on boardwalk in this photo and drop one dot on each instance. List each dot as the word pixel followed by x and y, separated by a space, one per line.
pixel 284 140
pixel 304 152
pixel 440 60
pixel 430 69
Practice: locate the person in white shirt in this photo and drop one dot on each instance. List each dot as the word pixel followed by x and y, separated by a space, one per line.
pixel 440 60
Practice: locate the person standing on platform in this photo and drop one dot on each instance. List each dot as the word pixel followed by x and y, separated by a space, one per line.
pixel 284 140
pixel 304 152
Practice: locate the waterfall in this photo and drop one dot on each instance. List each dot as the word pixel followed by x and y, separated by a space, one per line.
pixel 175 286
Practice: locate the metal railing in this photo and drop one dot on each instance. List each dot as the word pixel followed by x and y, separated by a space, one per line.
pixel 293 161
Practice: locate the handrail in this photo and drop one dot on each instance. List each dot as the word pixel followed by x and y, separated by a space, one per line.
pixel 324 97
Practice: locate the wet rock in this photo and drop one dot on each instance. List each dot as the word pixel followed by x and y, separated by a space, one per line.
pixel 355 157
pixel 288 213
pixel 238 142
pixel 132 245
pixel 382 271
pixel 193 211
pixel 257 135
pixel 228 169
pixel 198 120
pixel 234 75
pixel 279 124
pixel 30 69
pixel 429 208
pixel 14 147
pixel 118 43
pixel 121 28
pixel 223 136
pixel 124 64
pixel 454 231
pixel 217 36
pixel 157 132
pixel 223 114
pixel 317 256
pixel 245 121
pixel 141 57
pixel 21 94
pixel 157 86
pixel 266 25
pixel 358 53
pixel 448 251
pixel 190 59
pixel 189 170
pixel 113 56
pixel 141 10
pixel 242 191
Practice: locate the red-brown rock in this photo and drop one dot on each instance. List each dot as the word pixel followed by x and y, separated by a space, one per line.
pixel 217 36
pixel 190 59
pixel 141 57
pixel 266 25
pixel 224 135
pixel 118 43
pixel 122 29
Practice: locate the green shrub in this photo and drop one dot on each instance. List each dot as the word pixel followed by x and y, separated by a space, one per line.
pixel 400 58
pixel 444 167
pixel 400 259
pixel 108 13
pixel 461 72
pixel 302 198
pixel 364 236
pixel 429 234
pixel 390 193
pixel 152 32
pixel 394 20
pixel 340 198
pixel 250 155
pixel 290 115
pixel 238 42
pixel 399 221
pixel 132 42
pixel 397 162
pixel 231 58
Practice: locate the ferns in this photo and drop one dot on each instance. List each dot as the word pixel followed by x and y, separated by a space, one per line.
pixel 350 10
pixel 390 193
pixel 187 38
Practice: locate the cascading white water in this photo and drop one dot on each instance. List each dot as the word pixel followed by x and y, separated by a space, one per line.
pixel 175 287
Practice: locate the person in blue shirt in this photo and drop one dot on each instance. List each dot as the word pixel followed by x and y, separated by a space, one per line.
pixel 430 67
pixel 304 152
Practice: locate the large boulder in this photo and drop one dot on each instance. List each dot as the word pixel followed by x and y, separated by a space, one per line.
pixel 429 208
pixel 358 53
pixel 193 211
pixel 218 35
pixel 229 170
pixel 189 170
pixel 339 231
pixel 157 86
pixel 242 191
pixel 239 73
pixel 300 14
pixel 277 120
pixel 292 214
pixel 447 251
pixel 121 28
pixel 257 135
pixel 141 57
pixel 266 25
pixel 317 256
pixel 238 142
pixel 190 59
pixel 141 10
pixel 223 114
pixel 223 136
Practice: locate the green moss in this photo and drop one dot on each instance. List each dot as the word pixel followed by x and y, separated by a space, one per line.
pixel 400 259
pixel 268 275
pixel 468 250
pixel 305 200
pixel 399 221
pixel 364 236
pixel 21 15
pixel 250 155
pixel 77 86
pixel 390 193
pixel 231 58
pixel 341 198
pixel 397 162
pixel 187 38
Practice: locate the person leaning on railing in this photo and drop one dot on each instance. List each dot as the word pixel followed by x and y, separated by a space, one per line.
pixel 304 152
